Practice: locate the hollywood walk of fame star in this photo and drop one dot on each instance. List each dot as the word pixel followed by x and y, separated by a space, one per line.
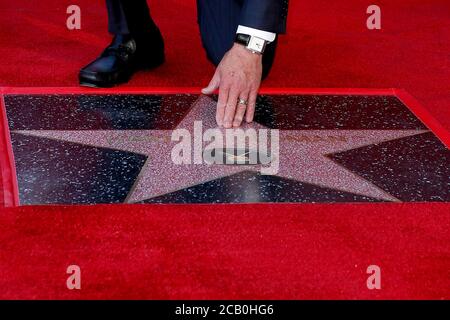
pixel 303 160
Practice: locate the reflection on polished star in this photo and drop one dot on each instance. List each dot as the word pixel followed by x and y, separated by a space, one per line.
pixel 302 155
pixel 238 158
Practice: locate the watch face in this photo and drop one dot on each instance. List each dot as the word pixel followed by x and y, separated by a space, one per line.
pixel 257 44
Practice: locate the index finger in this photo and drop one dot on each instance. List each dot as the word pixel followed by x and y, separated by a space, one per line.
pixel 221 104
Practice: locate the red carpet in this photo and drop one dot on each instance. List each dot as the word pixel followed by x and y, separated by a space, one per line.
pixel 328 46
pixel 217 252
pixel 235 251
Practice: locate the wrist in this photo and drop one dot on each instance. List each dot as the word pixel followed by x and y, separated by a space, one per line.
pixel 244 51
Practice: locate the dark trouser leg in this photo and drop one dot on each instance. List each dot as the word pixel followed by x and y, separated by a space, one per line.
pixel 129 17
pixel 218 22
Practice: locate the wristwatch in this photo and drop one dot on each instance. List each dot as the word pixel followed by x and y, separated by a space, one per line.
pixel 252 43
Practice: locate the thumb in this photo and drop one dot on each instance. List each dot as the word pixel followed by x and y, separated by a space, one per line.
pixel 213 84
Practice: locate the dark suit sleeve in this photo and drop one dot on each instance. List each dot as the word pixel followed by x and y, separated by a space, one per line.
pixel 267 15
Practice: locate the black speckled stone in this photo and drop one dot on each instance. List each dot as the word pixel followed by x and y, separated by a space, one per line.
pixel 55 172
pixel 96 112
pixel 320 112
pixel 414 168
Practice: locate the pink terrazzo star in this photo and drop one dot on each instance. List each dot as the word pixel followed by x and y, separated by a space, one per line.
pixel 302 155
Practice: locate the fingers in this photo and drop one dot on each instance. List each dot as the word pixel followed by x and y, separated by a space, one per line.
pixel 240 110
pixel 231 113
pixel 249 115
pixel 221 104
pixel 233 96
pixel 213 84
pixel 223 96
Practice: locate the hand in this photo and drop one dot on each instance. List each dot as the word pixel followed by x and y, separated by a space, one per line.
pixel 238 76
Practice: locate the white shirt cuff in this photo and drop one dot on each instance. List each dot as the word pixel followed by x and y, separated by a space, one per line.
pixel 268 36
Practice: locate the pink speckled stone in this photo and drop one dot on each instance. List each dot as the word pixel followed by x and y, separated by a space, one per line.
pixel 302 155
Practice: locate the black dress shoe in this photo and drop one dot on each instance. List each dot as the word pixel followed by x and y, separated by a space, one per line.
pixel 122 58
